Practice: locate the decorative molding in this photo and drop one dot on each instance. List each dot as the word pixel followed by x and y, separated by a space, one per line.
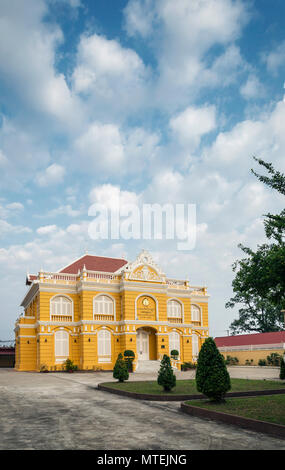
pixel 156 306
pixel 144 261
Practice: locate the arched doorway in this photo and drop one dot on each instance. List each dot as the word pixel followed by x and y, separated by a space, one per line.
pixel 146 344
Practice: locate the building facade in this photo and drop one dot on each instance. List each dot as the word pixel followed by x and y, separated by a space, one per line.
pixel 98 307
pixel 249 349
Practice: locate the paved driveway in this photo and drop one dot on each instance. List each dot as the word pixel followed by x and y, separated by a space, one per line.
pixel 65 411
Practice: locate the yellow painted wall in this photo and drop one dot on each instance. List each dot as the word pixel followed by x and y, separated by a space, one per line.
pixel 256 355
pixel 39 348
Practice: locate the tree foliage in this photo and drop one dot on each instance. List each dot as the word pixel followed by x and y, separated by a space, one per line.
pixel 166 377
pixel 259 283
pixel 212 377
pixel 120 371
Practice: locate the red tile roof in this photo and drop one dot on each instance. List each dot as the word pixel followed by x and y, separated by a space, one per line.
pixel 30 278
pixel 95 263
pixel 251 339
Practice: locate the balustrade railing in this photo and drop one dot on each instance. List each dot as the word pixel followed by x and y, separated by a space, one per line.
pixel 103 317
pixel 61 318
pixel 174 320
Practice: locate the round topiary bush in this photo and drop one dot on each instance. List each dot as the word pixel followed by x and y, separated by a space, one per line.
pixel 120 371
pixel 129 353
pixel 129 357
pixel 212 377
pixel 174 353
pixel 166 377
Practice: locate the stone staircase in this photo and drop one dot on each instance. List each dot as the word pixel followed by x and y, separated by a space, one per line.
pixel 147 367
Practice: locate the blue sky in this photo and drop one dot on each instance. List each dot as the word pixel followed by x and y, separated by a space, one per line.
pixel 161 101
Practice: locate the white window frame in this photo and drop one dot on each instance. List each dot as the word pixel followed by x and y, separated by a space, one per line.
pixel 61 345
pixel 61 305
pixel 195 308
pixel 103 304
pixel 195 346
pixel 174 309
pixel 104 345
pixel 174 344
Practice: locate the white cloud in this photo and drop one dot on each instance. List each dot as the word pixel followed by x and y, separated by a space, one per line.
pixel 182 34
pixel 139 17
pixel 275 59
pixel 17 206
pixel 54 174
pixel 264 137
pixel 46 229
pixel 112 197
pixel 112 77
pixel 101 146
pixel 190 125
pixel 110 150
pixel 27 60
pixel 24 152
pixel 66 210
pixel 6 228
pixel 252 88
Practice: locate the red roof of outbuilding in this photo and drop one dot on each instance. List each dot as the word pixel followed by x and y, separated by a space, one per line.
pixel 251 339
pixel 95 263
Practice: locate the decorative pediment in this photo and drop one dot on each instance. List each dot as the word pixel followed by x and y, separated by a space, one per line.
pixel 144 269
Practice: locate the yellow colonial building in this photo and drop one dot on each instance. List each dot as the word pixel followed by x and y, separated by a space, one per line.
pixel 97 307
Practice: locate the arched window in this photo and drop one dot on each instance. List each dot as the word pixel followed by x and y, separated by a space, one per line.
pixel 61 308
pixel 174 342
pixel 174 309
pixel 103 305
pixel 61 345
pixel 104 346
pixel 195 313
pixel 195 347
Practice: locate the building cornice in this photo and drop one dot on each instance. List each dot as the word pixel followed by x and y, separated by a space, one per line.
pixel 30 295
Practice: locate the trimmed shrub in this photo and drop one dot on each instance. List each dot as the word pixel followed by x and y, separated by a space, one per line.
pixel 231 361
pixel 212 377
pixel 282 368
pixel 174 353
pixel 166 377
pixel 69 366
pixel 274 359
pixel 129 353
pixel 120 371
pixel 262 362
pixel 129 357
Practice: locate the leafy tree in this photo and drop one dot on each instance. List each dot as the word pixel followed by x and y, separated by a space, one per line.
pixel 212 377
pixel 120 371
pixel 166 377
pixel 259 284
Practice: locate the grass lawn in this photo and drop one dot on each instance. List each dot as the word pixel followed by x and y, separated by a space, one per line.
pixel 269 408
pixel 188 387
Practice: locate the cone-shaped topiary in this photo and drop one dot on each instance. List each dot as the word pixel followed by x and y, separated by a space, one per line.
pixel 282 368
pixel 120 371
pixel 166 377
pixel 129 358
pixel 212 377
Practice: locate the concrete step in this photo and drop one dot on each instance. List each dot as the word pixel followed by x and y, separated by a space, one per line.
pixel 147 366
